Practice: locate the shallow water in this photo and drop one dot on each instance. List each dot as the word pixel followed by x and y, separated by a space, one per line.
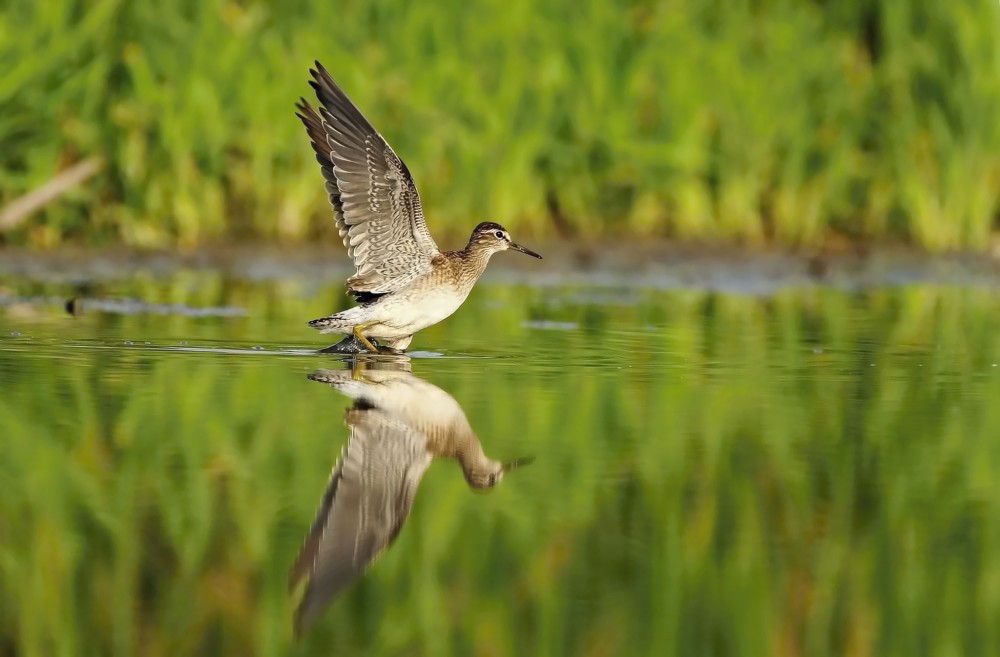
pixel 810 471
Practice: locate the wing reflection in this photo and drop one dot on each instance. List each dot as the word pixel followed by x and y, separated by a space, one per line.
pixel 399 424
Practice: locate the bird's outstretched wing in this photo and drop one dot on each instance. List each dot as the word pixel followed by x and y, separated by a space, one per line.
pixel 366 502
pixel 375 201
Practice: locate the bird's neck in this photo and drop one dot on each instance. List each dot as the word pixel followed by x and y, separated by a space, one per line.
pixel 475 259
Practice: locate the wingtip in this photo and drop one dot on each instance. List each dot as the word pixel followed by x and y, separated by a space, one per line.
pixel 318 71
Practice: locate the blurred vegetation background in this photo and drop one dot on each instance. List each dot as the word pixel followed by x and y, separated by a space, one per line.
pixel 756 122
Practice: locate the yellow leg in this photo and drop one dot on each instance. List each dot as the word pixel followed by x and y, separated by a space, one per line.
pixel 365 341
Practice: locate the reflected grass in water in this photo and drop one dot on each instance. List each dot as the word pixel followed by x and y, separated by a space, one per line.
pixel 813 473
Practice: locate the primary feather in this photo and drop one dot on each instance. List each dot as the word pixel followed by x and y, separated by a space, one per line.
pixel 374 198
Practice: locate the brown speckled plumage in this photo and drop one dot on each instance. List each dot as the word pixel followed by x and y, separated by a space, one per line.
pixel 381 221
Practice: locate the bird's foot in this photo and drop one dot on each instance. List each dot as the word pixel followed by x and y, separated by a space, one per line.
pixel 352 346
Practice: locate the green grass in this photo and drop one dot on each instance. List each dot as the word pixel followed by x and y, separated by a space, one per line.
pixel 812 473
pixel 791 123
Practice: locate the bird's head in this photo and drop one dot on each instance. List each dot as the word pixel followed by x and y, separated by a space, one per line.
pixel 492 237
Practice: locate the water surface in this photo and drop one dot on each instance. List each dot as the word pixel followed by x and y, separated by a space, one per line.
pixel 807 471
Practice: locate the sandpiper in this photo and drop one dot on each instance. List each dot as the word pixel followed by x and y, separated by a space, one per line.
pixel 404 283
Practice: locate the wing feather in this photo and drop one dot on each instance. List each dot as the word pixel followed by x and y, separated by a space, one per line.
pixel 375 201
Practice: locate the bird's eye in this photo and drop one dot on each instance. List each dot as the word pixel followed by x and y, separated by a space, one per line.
pixel 499 234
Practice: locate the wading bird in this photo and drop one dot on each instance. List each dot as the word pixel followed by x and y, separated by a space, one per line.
pixel 404 283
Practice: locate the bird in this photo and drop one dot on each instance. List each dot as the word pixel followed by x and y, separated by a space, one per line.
pixel 403 283
pixel 399 424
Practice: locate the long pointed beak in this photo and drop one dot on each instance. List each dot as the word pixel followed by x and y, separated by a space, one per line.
pixel 518 247
pixel 518 463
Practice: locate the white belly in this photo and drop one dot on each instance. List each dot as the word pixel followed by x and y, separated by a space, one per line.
pixel 401 316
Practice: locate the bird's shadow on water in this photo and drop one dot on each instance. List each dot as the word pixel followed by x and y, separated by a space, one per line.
pixel 399 424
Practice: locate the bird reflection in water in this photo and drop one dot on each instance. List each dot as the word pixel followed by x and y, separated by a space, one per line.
pixel 399 424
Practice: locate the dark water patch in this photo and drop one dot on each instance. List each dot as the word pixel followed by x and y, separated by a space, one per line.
pixel 550 325
pixel 79 306
pixel 622 266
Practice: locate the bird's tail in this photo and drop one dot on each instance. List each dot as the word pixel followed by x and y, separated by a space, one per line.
pixel 341 322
